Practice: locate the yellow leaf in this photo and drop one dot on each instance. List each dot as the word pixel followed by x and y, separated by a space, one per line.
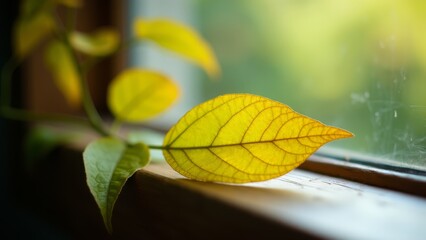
pixel 137 94
pixel 29 32
pixel 102 42
pixel 64 73
pixel 179 39
pixel 240 138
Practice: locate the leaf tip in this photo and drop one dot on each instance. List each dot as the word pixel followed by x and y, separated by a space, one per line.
pixel 342 133
pixel 213 69
pixel 108 226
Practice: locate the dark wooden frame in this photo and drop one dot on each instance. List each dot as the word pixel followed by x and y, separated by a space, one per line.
pixel 153 206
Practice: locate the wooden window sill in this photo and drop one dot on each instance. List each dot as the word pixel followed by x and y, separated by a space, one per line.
pixel 158 203
pixel 301 203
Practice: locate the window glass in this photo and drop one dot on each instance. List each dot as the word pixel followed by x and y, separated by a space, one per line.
pixel 359 65
pixel 150 56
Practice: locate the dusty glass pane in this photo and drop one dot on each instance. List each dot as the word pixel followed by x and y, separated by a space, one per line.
pixel 360 65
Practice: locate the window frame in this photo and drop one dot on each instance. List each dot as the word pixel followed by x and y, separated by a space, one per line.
pixel 379 175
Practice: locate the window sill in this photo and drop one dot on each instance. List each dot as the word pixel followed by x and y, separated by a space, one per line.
pixel 301 203
pixel 158 203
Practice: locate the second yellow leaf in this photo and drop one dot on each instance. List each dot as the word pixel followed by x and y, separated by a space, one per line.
pixel 180 39
pixel 136 94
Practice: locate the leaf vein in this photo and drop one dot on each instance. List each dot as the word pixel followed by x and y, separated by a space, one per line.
pixel 285 123
pixel 260 159
pixel 254 120
pixel 291 153
pixel 200 167
pixel 198 118
pixel 270 124
pixel 233 115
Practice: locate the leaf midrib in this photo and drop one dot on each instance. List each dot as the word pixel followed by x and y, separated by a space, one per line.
pixel 168 147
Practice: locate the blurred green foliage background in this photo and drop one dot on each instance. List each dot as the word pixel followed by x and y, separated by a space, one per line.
pixel 359 65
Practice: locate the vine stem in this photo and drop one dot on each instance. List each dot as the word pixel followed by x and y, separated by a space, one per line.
pixel 94 118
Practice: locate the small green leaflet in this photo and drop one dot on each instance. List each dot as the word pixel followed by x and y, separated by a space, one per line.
pixel 109 162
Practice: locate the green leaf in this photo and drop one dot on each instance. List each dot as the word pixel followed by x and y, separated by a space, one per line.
pixel 65 75
pixel 100 43
pixel 136 94
pixel 109 163
pixel 239 138
pixel 179 39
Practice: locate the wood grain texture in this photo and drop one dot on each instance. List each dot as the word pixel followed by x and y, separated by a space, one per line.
pixel 298 203
pixel 162 208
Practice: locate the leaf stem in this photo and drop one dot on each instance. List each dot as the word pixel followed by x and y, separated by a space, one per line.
pixel 89 107
pixel 116 124
pixel 156 147
pixel 85 66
